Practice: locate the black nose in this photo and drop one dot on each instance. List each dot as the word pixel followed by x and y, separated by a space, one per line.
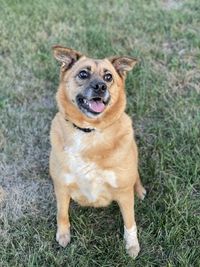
pixel 99 86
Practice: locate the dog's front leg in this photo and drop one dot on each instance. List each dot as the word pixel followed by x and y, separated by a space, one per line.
pixel 63 224
pixel 126 204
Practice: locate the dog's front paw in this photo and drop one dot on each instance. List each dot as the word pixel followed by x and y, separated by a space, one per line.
pixel 63 238
pixel 132 244
pixel 133 251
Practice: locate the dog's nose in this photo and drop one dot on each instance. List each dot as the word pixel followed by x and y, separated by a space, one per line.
pixel 99 86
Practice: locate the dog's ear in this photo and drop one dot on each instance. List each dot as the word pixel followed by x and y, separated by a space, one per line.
pixel 123 64
pixel 66 56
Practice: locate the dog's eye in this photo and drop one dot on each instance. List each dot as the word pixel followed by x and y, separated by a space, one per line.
pixel 83 74
pixel 108 77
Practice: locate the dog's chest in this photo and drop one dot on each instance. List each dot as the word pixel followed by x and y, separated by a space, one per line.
pixel 91 181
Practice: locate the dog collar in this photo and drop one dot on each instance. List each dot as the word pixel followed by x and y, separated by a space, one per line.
pixel 85 130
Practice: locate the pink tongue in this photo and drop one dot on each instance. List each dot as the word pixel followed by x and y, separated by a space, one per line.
pixel 96 106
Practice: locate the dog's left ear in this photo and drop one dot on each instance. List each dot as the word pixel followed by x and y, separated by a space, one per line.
pixel 66 56
pixel 123 64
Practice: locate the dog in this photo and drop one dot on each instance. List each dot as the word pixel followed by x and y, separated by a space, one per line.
pixel 94 158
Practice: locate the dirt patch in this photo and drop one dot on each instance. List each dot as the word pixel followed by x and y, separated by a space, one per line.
pixel 172 4
pixel 24 197
pixel 2 194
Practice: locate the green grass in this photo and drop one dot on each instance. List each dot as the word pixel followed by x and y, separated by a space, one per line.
pixel 163 99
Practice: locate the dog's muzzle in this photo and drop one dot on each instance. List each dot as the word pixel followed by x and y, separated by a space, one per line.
pixel 94 99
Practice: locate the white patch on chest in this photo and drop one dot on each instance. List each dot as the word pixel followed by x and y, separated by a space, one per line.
pixel 88 176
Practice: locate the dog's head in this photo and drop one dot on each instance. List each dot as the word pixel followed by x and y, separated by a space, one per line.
pixel 91 90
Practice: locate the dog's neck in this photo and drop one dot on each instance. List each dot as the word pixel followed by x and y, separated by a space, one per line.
pixel 85 130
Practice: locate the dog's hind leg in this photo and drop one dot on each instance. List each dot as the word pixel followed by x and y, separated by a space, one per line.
pixel 139 188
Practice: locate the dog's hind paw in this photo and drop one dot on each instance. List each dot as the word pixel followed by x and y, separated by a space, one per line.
pixel 141 192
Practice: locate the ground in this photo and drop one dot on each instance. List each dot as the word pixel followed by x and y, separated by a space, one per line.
pixel 163 100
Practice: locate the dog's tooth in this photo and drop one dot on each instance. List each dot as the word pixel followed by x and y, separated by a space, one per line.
pixel 86 102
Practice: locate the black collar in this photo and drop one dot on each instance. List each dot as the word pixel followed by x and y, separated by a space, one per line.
pixel 85 130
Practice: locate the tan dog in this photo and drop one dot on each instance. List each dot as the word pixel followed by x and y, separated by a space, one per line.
pixel 94 157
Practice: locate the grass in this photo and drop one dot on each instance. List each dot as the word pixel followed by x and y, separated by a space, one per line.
pixel 163 99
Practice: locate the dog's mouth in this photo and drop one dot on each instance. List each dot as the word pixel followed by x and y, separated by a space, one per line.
pixel 95 105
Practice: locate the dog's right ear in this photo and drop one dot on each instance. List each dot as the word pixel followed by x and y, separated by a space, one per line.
pixel 66 56
pixel 123 64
